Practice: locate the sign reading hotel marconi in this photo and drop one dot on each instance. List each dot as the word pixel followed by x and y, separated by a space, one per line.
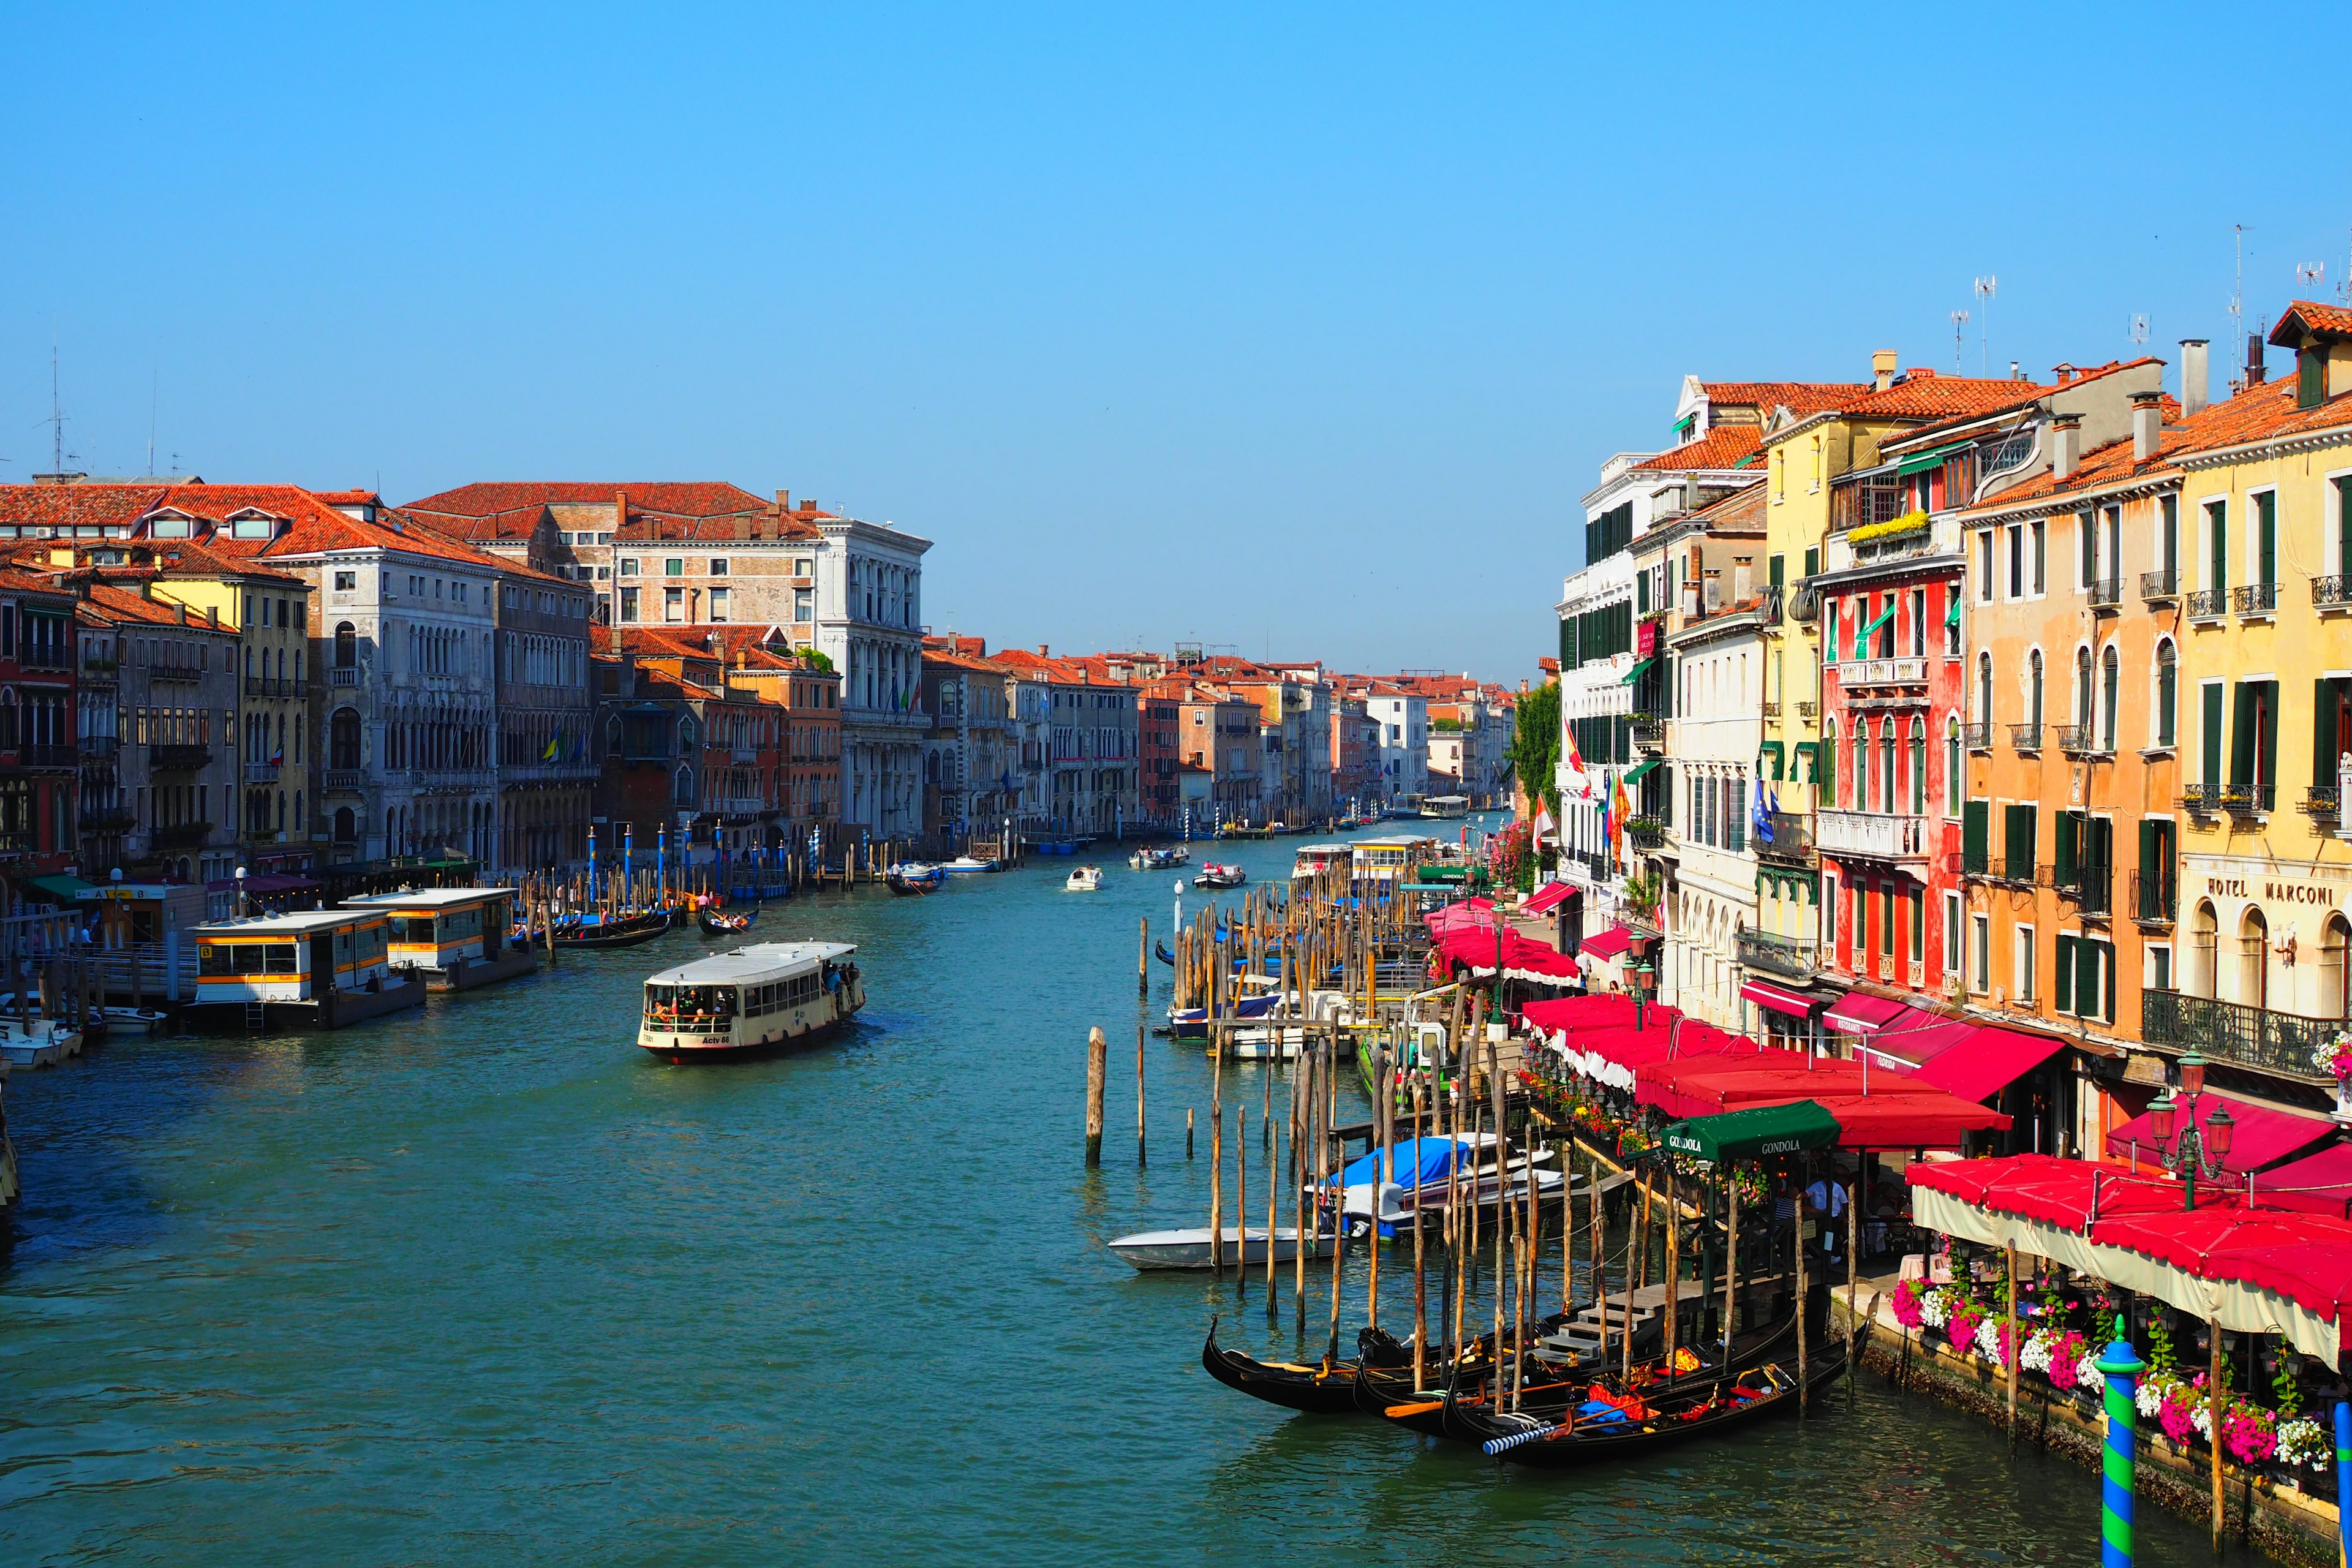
pixel 2275 891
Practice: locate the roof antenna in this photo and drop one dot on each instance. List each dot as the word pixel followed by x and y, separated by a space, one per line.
pixel 2237 305
pixel 154 391
pixel 56 416
pixel 1985 285
pixel 2139 333
pixel 1959 319
pixel 2307 272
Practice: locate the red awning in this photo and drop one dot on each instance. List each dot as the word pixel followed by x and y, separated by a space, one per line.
pixel 1908 1118
pixel 1708 1086
pixel 1601 1010
pixel 1609 943
pixel 1777 999
pixel 2318 1184
pixel 1855 1014
pixel 1987 1060
pixel 2052 1191
pixel 2260 1136
pixel 1546 898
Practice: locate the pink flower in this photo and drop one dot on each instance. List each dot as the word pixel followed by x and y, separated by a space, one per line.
pixel 1906 1303
pixel 2251 1432
pixel 2178 1422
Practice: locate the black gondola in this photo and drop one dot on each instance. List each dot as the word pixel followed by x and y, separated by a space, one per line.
pixel 1384 1385
pixel 1317 1390
pixel 716 923
pixel 1160 948
pixel 625 931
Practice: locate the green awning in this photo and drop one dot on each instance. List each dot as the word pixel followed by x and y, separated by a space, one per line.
pixel 1862 637
pixel 1755 1135
pixel 1769 749
pixel 1634 674
pixel 63 889
pixel 1953 619
pixel 1931 459
pixel 1802 749
pixel 1635 773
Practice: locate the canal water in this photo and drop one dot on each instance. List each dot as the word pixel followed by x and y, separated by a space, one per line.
pixel 482 1284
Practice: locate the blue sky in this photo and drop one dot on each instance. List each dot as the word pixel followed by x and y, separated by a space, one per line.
pixel 1294 330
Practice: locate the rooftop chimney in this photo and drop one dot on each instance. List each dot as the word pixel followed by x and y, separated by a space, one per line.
pixel 2148 424
pixel 2014 373
pixel 2257 372
pixel 1041 651
pixel 2192 377
pixel 2063 372
pixel 2066 443
pixel 783 500
pixel 1882 368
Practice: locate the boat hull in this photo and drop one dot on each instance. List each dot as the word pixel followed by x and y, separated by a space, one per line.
pixel 1157 1250
pixel 1316 1391
pixel 780 1031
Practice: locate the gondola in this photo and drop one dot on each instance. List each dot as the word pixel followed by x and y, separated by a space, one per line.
pixel 625 931
pixel 912 879
pixel 1317 1390
pixel 715 922
pixel 1161 950
pixel 1384 1385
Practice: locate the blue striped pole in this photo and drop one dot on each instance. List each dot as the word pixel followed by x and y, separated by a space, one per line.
pixel 2120 1365
pixel 2344 1477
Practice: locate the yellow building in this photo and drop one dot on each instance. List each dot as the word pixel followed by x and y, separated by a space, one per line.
pixel 2266 891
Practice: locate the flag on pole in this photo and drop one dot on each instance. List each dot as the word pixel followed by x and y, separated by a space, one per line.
pixel 1621 809
pixel 1761 816
pixel 554 747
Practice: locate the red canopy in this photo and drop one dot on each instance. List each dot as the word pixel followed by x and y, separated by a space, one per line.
pixel 1986 1059
pixel 2052 1191
pixel 1609 943
pixel 1547 897
pixel 2260 1135
pixel 1522 958
pixel 2305 1258
pixel 1595 1011
pixel 1857 1014
pixel 1471 914
pixel 2320 1184
pixel 1709 1086
pixel 1925 1118
pixel 1778 998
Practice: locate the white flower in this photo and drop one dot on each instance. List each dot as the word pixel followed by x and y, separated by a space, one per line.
pixel 2148 1397
pixel 1935 1307
pixel 2087 1375
pixel 2201 1417
pixel 2035 1355
pixel 1989 1338
pixel 2303 1442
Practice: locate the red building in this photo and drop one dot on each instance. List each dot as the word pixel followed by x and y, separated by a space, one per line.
pixel 38 754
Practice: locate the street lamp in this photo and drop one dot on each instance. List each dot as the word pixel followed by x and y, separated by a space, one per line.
pixel 1643 978
pixel 2200 1149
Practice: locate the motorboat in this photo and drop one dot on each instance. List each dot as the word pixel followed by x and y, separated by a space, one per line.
pixel 41 1042
pixel 1085 879
pixel 759 997
pixel 968 864
pixel 1414 1175
pixel 1193 1023
pixel 1150 859
pixel 1216 875
pixel 913 878
pixel 125 1022
pixel 1189 1248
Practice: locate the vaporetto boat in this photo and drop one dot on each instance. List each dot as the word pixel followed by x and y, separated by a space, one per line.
pixel 762 998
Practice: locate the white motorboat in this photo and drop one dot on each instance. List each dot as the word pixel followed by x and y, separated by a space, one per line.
pixel 1151 859
pixel 125 1022
pixel 1085 879
pixel 1422 1162
pixel 43 1044
pixel 966 865
pixel 1189 1249
pixel 1213 875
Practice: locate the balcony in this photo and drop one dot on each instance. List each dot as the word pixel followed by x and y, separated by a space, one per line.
pixel 743 756
pixel 179 759
pixel 2255 600
pixel 186 674
pixel 1650 734
pixel 1793 837
pixel 2332 592
pixel 343 675
pixel 1809 709
pixel 2025 737
pixel 2161 587
pixel 181 836
pixel 2155 895
pixel 1976 736
pixel 2203 799
pixel 1884 672
pixel 1771 709
pixel 271 686
pixel 2092 889
pixel 2248 800
pixel 1646 832
pixel 103 747
pixel 2208 604
pixel 2320 800
pixel 1794 958
pixel 2108 594
pixel 261 773
pixel 2280 1043
pixel 343 781
pixel 2082 740
pixel 46 655
pixel 108 819
pixel 1871 835
pixel 43 756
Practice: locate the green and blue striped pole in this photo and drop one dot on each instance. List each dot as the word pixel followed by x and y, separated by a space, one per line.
pixel 2120 1365
pixel 2344 1476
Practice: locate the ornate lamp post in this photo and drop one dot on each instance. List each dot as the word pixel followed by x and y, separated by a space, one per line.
pixel 1643 978
pixel 2200 1149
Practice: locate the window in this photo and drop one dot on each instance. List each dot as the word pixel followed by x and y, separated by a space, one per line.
pixel 2209 734
pixel 2169 521
pixel 2087 550
pixel 2016 561
pixel 2082 710
pixel 1981 928
pixel 799 566
pixel 2168 691
pixel 673 566
pixel 2253 734
pixel 804 604
pixel 1984 688
pixel 2217 541
pixel 1954 769
pixel 1951 934
pixel 1918 917
pixel 347 645
pixel 1886 767
pixel 2037 528
pixel 1984 566
pixel 1887 919
pixel 628 604
pixel 2266 539
pixel 346 582
pixel 1919 767
pixel 344 738
pixel 1830 907
pixel 1831 630
pixel 2033 689
pixel 628 566
pixel 718 604
pixel 2110 679
pixel 2017 841
pixel 718 566
pixel 2025 964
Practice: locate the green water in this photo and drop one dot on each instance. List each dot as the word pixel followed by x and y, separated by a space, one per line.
pixel 482 1284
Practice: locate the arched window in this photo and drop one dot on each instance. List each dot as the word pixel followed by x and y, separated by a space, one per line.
pixel 682 787
pixel 2167 691
pixel 2084 714
pixel 1954 766
pixel 1919 767
pixel 346 827
pixel 2334 999
pixel 612 736
pixel 248 663
pixel 347 645
pixel 1862 765
pixel 685 736
pixel 1825 772
pixel 2253 959
pixel 1984 688
pixel 2110 679
pixel 2204 937
pixel 2033 689
pixel 343 739
pixel 1886 765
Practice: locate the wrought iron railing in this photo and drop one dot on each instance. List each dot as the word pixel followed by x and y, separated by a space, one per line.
pixel 1792 835
pixel 2164 584
pixel 181 836
pixel 2320 800
pixel 2107 594
pixel 1794 957
pixel 2094 888
pixel 2207 603
pixel 179 759
pixel 1650 734
pixel 1976 736
pixel 48 756
pixel 2155 895
pixel 2025 737
pixel 2077 738
pixel 2332 592
pixel 1771 709
pixel 2257 1037
pixel 2248 800
pixel 189 673
pixel 108 819
pixel 2256 598
pixel 2200 797
pixel 1808 709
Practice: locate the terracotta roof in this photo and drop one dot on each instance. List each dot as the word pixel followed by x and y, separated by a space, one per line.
pixel 2310 315
pixel 116 605
pixel 1924 395
pixel 315 526
pixel 1798 397
pixel 1723 446
pixel 689 498
pixel 2263 412
pixel 2027 394
pixel 940 658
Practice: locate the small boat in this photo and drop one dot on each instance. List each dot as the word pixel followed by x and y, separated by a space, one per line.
pixel 1151 859
pixel 131 1021
pixel 1189 1248
pixel 1085 879
pixel 1159 951
pixel 1326 1390
pixel 913 878
pixel 615 930
pixel 43 1044
pixel 754 999
pixel 718 922
pixel 1213 875
pixel 969 865
pixel 1193 1023
pixel 1056 845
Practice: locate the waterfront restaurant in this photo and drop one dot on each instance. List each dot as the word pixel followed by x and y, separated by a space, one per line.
pixel 331 964
pixel 455 938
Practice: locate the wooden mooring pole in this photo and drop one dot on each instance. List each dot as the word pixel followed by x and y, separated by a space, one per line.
pixel 1097 1053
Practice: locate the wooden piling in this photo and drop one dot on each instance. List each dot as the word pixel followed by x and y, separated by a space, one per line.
pixel 1419 1277
pixel 1730 1256
pixel 2213 1406
pixel 1097 1053
pixel 2011 1358
pixel 1188 1132
pixel 1804 1391
pixel 1139 1097
pixel 1143 956
pixel 1217 1167
pixel 1674 1271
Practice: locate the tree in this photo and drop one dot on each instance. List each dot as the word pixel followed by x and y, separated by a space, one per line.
pixel 1535 746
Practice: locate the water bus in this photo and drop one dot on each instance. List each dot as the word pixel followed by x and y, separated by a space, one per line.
pixel 333 965
pixel 755 998
pixel 1313 859
pixel 1446 807
pixel 1384 859
pixel 454 938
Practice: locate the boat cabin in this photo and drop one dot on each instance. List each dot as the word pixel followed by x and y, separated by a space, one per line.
pixel 1385 860
pixel 455 936
pixel 1313 859
pixel 1447 806
pixel 332 962
pixel 764 994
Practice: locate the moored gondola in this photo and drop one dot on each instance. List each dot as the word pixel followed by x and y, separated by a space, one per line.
pixel 624 931
pixel 1321 1390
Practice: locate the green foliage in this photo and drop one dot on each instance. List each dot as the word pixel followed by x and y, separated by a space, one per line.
pixel 2286 1389
pixel 2161 1357
pixel 816 658
pixel 1535 746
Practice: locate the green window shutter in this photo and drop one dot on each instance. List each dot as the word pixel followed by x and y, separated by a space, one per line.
pixel 2266 769
pixel 1825 770
pixel 2242 733
pixel 2171 508
pixel 2065 955
pixel 2086 978
pixel 1812 562
pixel 1976 834
pixel 2040 557
pixel 1642 591
pixel 2266 523
pixel 2102 852
pixel 1778 567
pixel 2068 826
pixel 2343 526
pixel 2017 836
pixel 2211 740
pixel 2216 517
pixel 2323 733
pixel 2310 376
pixel 2107 957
